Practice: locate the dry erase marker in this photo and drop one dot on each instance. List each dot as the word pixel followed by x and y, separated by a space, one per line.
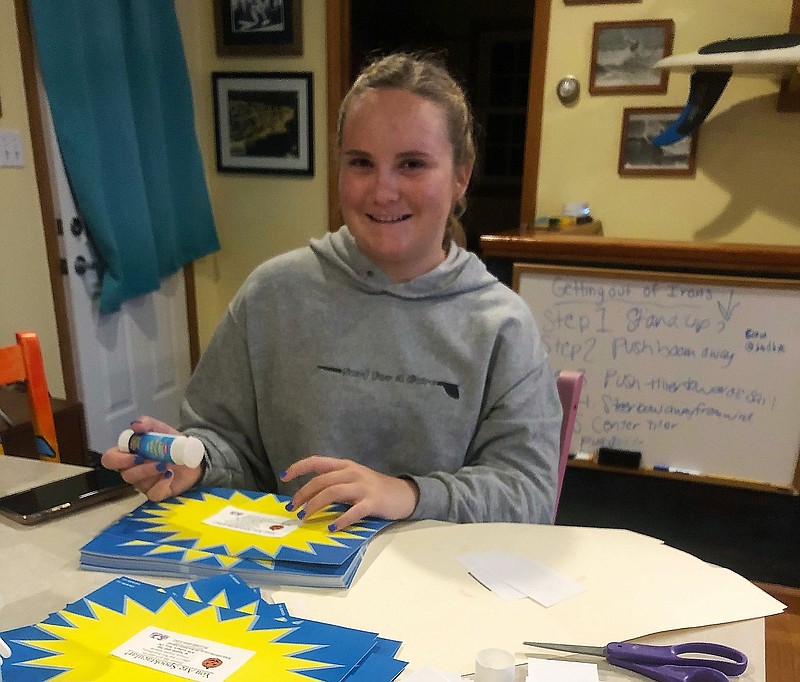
pixel 675 470
pixel 163 447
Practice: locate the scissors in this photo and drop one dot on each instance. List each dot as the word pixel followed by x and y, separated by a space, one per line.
pixel 666 663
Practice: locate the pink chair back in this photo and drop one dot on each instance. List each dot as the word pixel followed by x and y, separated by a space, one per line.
pixel 569 391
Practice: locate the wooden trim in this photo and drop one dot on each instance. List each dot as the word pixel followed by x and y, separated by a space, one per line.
pixel 192 328
pixel 742 259
pixel 789 97
pixel 533 128
pixel 338 73
pixel 44 186
pixel 782 635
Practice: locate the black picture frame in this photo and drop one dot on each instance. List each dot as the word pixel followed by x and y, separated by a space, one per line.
pixel 623 54
pixel 259 28
pixel 640 157
pixel 263 122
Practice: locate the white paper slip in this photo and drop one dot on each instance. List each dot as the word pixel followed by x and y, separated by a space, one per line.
pixel 428 674
pixel 182 655
pixel 552 670
pixel 255 523
pixel 540 583
pixel 500 571
pixel 479 566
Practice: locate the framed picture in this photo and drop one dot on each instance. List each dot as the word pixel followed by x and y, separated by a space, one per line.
pixel 263 122
pixel 639 156
pixel 257 28
pixel 623 54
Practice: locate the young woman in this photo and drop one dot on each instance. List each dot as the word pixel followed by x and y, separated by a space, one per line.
pixel 382 366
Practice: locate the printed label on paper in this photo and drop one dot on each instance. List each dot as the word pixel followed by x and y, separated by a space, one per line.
pixel 256 523
pixel 183 655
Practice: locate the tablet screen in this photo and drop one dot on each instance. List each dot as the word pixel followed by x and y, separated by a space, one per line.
pixel 61 497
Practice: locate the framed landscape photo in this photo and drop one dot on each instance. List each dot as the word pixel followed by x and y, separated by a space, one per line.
pixel 263 122
pixel 258 28
pixel 623 54
pixel 639 156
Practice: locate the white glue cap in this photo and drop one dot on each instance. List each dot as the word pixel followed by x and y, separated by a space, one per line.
pixel 5 651
pixel 188 451
pixel 124 439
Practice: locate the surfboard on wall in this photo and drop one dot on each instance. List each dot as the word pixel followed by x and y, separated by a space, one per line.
pixel 712 66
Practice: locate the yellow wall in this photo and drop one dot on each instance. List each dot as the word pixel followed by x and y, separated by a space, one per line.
pixel 745 188
pixel 257 216
pixel 744 191
pixel 25 296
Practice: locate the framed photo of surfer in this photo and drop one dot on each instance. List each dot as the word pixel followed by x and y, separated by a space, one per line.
pixel 638 156
pixel 258 28
pixel 623 54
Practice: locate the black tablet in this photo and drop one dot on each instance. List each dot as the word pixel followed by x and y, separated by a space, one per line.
pixel 62 497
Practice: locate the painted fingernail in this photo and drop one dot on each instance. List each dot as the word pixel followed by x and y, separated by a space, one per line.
pixel 168 473
pixel 282 474
pixel 161 466
pixel 289 506
pixel 138 459
pixel 332 527
pixel 301 514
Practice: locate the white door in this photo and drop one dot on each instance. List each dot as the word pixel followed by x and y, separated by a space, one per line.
pixel 129 363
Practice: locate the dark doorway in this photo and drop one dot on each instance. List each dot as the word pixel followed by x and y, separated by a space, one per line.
pixel 487 47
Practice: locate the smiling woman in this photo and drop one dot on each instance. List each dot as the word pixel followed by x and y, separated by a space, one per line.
pixel 381 367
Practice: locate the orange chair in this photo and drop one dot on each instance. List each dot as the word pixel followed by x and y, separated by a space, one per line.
pixel 23 362
pixel 569 386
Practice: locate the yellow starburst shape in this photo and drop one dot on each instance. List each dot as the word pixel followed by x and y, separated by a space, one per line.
pixel 103 643
pixel 249 525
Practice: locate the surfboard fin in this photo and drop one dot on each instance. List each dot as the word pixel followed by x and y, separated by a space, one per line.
pixel 705 89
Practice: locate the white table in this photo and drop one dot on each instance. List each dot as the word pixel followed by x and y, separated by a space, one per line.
pixel 39 574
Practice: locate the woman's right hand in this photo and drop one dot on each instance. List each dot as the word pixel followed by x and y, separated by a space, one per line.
pixel 157 480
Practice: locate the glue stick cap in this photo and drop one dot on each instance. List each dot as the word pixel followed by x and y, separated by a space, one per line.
pixel 188 451
pixel 124 439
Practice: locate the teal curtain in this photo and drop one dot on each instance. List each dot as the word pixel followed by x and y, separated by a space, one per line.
pixel 116 78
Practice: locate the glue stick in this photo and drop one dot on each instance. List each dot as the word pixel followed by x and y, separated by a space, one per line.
pixel 5 652
pixel 163 447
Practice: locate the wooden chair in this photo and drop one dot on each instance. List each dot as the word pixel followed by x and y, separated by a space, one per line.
pixel 23 362
pixel 569 392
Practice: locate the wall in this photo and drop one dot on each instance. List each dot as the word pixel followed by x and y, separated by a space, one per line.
pixel 25 295
pixel 745 186
pixel 257 216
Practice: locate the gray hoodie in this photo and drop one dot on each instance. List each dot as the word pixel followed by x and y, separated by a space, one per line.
pixel 442 379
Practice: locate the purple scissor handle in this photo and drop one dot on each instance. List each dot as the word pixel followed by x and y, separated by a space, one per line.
pixel 676 662
pixel 673 663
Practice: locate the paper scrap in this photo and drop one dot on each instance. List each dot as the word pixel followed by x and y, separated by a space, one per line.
pixel 554 670
pixel 428 674
pixel 500 571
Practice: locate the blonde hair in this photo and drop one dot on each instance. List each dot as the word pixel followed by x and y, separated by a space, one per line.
pixel 428 77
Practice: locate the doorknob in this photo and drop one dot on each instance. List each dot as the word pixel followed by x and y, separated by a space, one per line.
pixel 82 265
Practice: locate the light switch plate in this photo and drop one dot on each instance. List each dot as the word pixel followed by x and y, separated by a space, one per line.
pixel 11 149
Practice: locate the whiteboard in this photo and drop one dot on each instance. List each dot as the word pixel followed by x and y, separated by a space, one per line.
pixel 696 372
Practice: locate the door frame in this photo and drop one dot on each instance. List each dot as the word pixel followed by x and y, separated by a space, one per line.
pixel 338 74
pixel 51 228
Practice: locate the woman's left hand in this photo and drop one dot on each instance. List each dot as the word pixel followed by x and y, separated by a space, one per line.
pixel 342 480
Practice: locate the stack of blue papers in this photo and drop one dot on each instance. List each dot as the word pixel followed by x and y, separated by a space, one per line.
pixel 219 530
pixel 213 629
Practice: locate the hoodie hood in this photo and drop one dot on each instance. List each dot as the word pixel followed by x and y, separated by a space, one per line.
pixel 460 272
